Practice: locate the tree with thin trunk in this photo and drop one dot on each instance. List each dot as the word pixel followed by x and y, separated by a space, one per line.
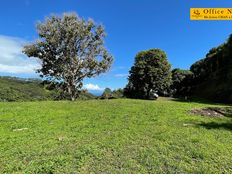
pixel 70 49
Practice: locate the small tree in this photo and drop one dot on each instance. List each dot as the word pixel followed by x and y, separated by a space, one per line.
pixel 70 49
pixel 107 93
pixel 117 93
pixel 151 72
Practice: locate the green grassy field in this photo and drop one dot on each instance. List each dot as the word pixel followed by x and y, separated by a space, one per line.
pixel 112 136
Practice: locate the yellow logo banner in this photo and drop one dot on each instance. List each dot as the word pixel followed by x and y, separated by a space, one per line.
pixel 211 13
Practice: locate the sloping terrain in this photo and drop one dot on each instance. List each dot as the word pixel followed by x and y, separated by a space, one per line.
pixel 113 136
pixel 15 89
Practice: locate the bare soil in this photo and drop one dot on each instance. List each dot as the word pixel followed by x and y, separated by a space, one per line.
pixel 212 112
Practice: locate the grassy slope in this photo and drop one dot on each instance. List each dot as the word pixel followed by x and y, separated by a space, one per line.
pixel 112 136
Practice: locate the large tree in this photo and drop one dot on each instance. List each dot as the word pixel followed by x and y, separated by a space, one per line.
pixel 151 72
pixel 70 49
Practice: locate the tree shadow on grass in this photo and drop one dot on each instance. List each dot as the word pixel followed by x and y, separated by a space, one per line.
pixel 214 125
pixel 229 113
pixel 197 100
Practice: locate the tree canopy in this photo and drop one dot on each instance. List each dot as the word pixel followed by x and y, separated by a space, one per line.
pixel 150 72
pixel 181 82
pixel 70 49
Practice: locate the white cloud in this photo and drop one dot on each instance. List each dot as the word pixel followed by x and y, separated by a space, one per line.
pixel 12 60
pixel 93 87
pixel 121 75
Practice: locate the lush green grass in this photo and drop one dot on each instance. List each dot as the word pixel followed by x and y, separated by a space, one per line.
pixel 112 136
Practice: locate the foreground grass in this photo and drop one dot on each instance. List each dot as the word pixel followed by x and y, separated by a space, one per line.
pixel 115 136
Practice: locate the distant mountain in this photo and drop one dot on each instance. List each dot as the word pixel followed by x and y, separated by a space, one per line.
pixel 96 93
pixel 19 89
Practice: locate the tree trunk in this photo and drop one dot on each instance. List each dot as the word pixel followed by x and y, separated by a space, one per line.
pixel 71 87
pixel 71 92
pixel 72 98
pixel 148 93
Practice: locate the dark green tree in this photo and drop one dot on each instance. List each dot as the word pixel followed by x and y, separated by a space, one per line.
pixel 181 82
pixel 150 72
pixel 70 49
pixel 212 75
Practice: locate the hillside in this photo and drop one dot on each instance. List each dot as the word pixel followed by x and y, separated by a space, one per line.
pixel 17 89
pixel 113 136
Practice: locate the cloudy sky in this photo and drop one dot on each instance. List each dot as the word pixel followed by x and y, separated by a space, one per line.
pixel 12 60
pixel 131 26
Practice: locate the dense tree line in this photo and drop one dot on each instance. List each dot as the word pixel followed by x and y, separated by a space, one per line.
pixel 213 74
pixel 216 63
pixel 210 77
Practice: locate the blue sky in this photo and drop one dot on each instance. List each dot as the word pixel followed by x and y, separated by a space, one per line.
pixel 131 26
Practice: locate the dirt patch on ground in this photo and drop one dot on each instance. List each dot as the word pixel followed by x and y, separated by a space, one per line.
pixel 212 112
